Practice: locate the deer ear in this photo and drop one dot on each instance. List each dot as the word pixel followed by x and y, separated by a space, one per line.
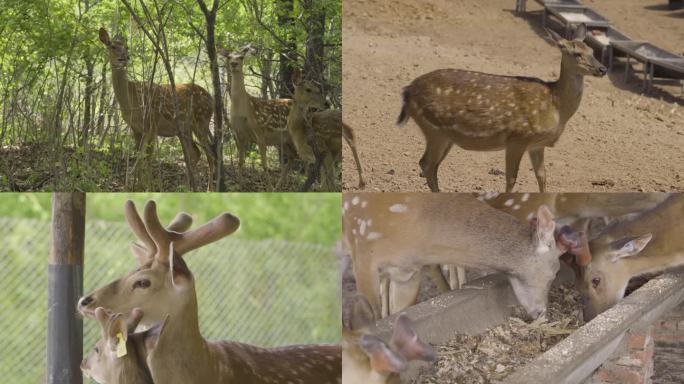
pixel 555 37
pixel 545 226
pixel 407 342
pixel 580 32
pixel 296 77
pixel 103 320
pixel 223 52
pixel 104 37
pixel 141 253
pixel 153 335
pixel 383 360
pixel 117 332
pixel 629 246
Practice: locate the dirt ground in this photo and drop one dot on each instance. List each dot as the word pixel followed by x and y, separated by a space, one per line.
pixel 619 139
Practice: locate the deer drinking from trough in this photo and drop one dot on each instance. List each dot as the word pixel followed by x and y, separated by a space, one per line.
pixel 395 234
pixel 368 359
pixel 255 120
pixel 485 112
pixel 164 289
pixel 646 243
pixel 309 119
pixel 148 109
pixel 119 357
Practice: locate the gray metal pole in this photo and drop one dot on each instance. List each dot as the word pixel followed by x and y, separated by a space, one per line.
pixel 65 286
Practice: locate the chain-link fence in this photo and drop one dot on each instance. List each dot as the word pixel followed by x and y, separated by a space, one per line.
pixel 266 293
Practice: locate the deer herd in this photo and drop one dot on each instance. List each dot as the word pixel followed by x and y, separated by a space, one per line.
pixel 150 111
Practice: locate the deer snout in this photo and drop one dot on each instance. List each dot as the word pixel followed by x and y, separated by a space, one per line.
pixel 83 304
pixel 601 71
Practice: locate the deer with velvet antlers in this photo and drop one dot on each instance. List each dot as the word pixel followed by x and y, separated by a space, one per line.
pixel 484 112
pixel 164 289
pixel 149 109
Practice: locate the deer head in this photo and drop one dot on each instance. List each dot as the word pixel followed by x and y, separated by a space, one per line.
pixel 368 359
pixel 115 358
pixel 580 54
pixel 236 59
pixel 307 93
pixel 118 51
pixel 162 285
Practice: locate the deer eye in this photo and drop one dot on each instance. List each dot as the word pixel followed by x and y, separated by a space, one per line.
pixel 97 350
pixel 144 283
pixel 595 281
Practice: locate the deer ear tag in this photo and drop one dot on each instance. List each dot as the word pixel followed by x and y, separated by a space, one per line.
pixel 121 347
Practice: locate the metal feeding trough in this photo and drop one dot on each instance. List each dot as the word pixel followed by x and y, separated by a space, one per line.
pixel 600 40
pixel 657 62
pixel 570 16
pixel 521 6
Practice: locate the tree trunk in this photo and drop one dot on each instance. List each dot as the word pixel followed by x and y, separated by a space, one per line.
pixel 285 8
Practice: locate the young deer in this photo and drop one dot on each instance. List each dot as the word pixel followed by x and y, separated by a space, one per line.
pixel 349 137
pixel 650 242
pixel 484 112
pixel 310 113
pixel 143 103
pixel 369 360
pixel 119 357
pixel 164 289
pixel 255 120
pixel 394 234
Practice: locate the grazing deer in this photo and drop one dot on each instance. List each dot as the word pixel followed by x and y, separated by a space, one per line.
pixel 310 113
pixel 650 242
pixel 349 137
pixel 484 112
pixel 369 360
pixel 255 120
pixel 148 109
pixel 120 356
pixel 394 234
pixel 164 289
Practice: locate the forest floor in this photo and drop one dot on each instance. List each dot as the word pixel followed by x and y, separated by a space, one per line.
pixel 23 168
pixel 619 139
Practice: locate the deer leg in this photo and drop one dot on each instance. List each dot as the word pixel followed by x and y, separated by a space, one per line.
pixel 436 150
pixel 368 283
pixel 264 164
pixel 403 289
pixel 537 159
pixel 208 149
pixel 352 145
pixel 329 173
pixel 514 153
pixel 435 272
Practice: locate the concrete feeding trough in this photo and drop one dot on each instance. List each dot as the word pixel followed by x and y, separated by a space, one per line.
pixel 471 311
pixel 571 16
pixel 657 62
pixel 600 39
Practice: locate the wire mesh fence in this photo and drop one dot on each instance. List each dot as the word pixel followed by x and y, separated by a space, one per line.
pixel 266 293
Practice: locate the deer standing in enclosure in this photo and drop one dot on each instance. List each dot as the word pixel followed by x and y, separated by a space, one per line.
pixel 368 359
pixel 164 289
pixel 649 242
pixel 485 112
pixel 255 120
pixel 149 110
pixel 391 236
pixel 310 120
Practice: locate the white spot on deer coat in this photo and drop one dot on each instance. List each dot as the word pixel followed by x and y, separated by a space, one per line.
pixel 508 202
pixel 374 235
pixel 516 207
pixel 345 206
pixel 525 197
pixel 362 228
pixel 364 204
pixel 398 208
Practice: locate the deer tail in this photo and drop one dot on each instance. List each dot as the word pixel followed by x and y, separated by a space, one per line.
pixel 403 115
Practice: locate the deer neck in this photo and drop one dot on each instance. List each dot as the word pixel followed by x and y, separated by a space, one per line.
pixel 120 84
pixel 238 94
pixel 567 91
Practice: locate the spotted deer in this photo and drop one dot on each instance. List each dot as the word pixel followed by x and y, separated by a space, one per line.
pixel 485 112
pixel 392 235
pixel 164 289
pixel 149 110
pixel 255 120
pixel 119 357
pixel 368 359
pixel 646 243
pixel 310 112
pixel 350 138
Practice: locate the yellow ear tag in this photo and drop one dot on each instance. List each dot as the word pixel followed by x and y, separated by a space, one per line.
pixel 121 347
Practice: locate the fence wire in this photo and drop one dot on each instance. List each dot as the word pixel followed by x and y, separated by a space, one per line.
pixel 267 293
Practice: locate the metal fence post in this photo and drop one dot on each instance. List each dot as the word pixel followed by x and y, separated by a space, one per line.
pixel 65 286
